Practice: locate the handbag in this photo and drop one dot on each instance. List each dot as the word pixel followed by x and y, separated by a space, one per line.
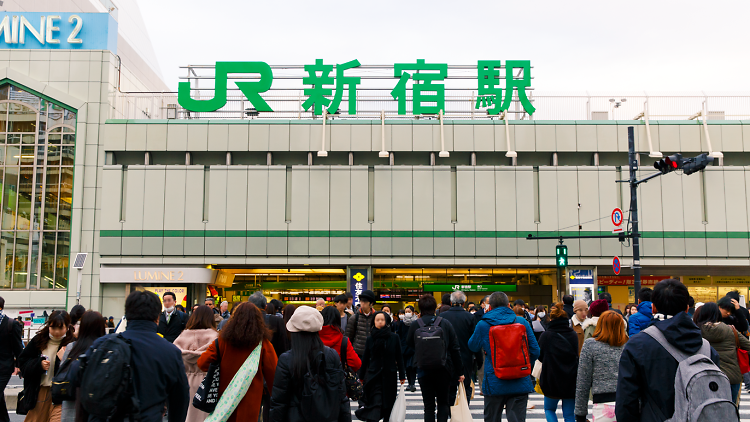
pixel 207 396
pixel 743 359
pixel 354 388
pixel 460 410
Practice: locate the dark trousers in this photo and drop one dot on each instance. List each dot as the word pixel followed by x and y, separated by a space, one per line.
pixel 515 408
pixel 436 387
pixel 411 375
pixel 4 379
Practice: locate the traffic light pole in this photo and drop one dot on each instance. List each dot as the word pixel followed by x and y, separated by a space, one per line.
pixel 635 234
pixel 666 165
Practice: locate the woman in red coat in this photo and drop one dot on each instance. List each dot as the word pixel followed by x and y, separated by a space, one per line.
pixel 332 337
pixel 239 337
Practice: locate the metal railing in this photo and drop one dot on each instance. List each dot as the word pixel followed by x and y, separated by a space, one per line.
pixel 288 105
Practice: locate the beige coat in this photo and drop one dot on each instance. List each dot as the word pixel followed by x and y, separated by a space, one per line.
pixel 193 343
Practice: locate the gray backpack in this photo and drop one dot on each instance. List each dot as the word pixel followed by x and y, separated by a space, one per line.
pixel 701 391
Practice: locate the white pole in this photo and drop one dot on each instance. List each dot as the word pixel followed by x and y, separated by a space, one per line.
pixel 443 152
pixel 383 153
pixel 78 289
pixel 323 152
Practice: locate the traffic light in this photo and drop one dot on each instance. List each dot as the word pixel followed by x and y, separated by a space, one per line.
pixel 561 256
pixel 698 163
pixel 670 163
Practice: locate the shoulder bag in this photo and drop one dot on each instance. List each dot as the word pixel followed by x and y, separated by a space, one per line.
pixel 354 388
pixel 207 396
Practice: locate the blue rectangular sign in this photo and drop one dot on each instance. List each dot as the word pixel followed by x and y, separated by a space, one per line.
pixel 58 31
pixel 358 282
pixel 581 276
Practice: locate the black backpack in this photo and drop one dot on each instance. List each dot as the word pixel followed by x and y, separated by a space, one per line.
pixel 107 387
pixel 321 391
pixel 430 351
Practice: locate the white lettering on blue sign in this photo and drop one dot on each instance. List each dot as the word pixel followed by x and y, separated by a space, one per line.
pixel 74 31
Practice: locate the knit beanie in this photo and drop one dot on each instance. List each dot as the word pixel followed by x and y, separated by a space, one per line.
pixel 579 304
pixel 598 307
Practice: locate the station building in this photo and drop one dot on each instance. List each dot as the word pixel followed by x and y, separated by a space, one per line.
pixel 100 159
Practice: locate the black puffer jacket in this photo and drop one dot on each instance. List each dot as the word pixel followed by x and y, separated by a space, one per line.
pixel 285 399
pixel 358 329
pixel 559 356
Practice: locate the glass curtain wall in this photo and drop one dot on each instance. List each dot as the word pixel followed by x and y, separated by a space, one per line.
pixel 37 150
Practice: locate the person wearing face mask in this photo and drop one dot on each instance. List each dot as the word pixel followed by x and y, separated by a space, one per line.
pixel 402 329
pixel 483 305
pixel 539 322
pixel 464 325
pixel 39 362
pixel 171 321
pixel 382 360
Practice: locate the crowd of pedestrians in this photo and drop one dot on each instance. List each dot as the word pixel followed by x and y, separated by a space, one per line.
pixel 287 363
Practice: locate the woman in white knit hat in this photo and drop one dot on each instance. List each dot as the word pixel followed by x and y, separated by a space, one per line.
pixel 309 362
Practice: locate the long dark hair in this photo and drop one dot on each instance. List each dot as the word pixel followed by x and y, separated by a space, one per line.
pixel 246 328
pixel 201 318
pixel 540 308
pixel 708 313
pixel 56 319
pixel 331 316
pixel 305 347
pixel 92 327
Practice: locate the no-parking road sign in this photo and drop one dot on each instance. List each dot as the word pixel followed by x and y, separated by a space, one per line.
pixel 616 265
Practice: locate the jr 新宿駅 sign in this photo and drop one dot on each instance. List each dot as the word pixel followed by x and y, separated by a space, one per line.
pixel 324 91
pixel 58 31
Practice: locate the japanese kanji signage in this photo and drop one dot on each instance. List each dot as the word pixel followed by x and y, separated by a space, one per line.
pixel 323 91
pixel 466 288
pixel 358 282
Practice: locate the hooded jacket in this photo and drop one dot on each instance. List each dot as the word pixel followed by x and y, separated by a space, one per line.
pixel 722 339
pixel 558 352
pixel 332 337
pixel 480 340
pixel 640 320
pixel 645 382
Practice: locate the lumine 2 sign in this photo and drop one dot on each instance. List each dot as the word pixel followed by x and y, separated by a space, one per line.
pixel 428 91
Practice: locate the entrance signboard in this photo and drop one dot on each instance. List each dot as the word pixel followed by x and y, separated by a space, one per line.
pixel 470 288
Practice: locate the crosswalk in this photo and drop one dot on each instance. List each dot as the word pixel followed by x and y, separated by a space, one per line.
pixel 415 408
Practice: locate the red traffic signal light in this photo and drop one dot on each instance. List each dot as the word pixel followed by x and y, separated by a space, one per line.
pixel 670 163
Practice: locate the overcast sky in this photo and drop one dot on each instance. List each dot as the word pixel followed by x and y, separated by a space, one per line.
pixel 574 46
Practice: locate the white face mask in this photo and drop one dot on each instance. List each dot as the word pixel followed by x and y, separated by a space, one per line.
pixel 56 338
pixel 169 310
pixel 541 314
pixel 408 314
pixel 485 306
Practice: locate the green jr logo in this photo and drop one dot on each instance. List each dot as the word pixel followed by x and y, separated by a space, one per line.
pixel 251 90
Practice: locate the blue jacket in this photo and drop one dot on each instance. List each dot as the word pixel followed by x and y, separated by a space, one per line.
pixel 640 320
pixel 492 386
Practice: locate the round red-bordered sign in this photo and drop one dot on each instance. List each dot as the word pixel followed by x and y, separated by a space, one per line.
pixel 617 217
pixel 616 265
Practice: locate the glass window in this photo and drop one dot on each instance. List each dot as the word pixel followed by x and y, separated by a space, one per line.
pixel 51 198
pixel 36 191
pixel 48 261
pixel 3 117
pixel 62 260
pixel 66 198
pixel 21 118
pixel 21 260
pixel 6 254
pixel 68 155
pixel 10 194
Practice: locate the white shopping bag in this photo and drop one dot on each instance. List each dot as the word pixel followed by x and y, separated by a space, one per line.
pixel 398 414
pixel 460 410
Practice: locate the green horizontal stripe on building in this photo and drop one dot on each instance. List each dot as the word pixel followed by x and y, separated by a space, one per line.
pixel 409 233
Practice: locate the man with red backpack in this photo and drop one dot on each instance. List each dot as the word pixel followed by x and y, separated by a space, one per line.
pixel 510 350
